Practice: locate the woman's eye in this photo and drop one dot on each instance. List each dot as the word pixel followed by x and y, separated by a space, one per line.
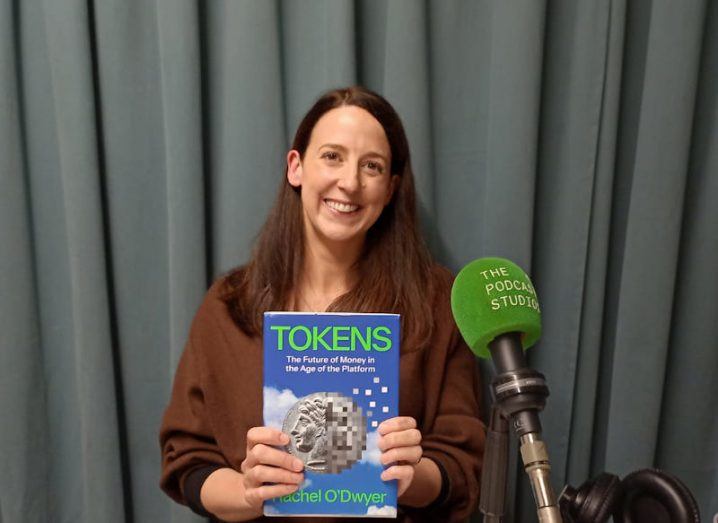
pixel 332 156
pixel 374 166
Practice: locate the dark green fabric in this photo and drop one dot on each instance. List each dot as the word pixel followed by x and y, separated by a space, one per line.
pixel 142 141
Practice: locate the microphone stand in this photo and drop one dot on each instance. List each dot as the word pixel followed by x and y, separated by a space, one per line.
pixel 492 502
pixel 519 394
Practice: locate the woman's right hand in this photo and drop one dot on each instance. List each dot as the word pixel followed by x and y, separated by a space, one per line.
pixel 266 472
pixel 266 464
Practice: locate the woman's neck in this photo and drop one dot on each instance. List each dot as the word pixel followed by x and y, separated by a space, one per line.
pixel 327 274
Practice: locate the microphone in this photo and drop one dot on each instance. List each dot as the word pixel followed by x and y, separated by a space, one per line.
pixel 497 311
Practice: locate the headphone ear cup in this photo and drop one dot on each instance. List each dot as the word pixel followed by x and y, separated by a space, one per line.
pixel 651 495
pixel 593 502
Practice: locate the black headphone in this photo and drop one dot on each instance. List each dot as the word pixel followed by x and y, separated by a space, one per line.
pixel 644 496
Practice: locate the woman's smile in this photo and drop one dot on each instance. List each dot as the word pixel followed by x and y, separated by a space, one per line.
pixel 341 207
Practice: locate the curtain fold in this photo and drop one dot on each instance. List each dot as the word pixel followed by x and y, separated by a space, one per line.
pixel 573 205
pixel 24 437
pixel 69 258
pixel 651 168
pixel 688 425
pixel 245 122
pixel 142 143
pixel 598 240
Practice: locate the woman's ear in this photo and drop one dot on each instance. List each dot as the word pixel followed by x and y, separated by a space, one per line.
pixel 294 168
pixel 393 183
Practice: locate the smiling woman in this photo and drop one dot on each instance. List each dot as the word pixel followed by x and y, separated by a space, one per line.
pixel 344 178
pixel 342 236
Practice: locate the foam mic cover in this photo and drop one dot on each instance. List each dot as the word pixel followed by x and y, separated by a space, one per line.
pixel 494 296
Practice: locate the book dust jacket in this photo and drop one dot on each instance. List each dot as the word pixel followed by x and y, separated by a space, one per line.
pixel 329 380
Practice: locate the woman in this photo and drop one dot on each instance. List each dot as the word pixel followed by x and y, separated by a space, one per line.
pixel 342 236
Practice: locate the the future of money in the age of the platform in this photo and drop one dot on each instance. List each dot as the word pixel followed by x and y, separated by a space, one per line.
pixel 330 379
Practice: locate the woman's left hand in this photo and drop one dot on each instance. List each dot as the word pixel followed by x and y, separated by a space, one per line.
pixel 400 445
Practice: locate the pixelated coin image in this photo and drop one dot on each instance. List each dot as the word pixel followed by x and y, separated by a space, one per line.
pixel 327 432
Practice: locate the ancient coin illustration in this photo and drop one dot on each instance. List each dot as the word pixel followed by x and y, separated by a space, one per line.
pixel 328 431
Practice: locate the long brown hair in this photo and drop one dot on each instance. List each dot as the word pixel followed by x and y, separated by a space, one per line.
pixel 394 267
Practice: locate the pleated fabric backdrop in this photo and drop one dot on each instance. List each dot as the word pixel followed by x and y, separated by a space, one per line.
pixel 141 144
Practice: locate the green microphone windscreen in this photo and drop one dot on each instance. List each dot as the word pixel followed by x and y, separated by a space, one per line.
pixel 493 296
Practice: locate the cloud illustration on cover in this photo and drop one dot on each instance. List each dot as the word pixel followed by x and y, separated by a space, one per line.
pixel 381 511
pixel 372 454
pixel 306 484
pixel 276 405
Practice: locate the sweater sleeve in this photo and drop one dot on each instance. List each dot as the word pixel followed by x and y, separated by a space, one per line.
pixel 456 440
pixel 454 435
pixel 187 439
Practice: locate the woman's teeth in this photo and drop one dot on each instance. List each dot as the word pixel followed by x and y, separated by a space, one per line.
pixel 341 207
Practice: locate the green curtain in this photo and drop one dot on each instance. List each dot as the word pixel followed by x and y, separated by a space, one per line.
pixel 142 141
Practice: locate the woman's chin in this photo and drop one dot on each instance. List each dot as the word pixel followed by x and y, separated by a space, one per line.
pixel 348 238
pixel 338 233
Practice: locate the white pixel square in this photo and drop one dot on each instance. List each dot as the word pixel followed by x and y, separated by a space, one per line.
pixel 376 380
pixel 367 392
pixel 372 403
pixel 355 391
pixel 385 389
pixel 374 423
pixel 385 409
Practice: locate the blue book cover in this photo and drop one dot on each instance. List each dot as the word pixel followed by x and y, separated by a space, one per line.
pixel 329 380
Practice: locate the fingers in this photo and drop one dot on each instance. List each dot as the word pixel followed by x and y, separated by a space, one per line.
pixel 402 473
pixel 266 436
pixel 400 441
pixel 406 455
pixel 262 454
pixel 266 474
pixel 396 424
pixel 260 450
pixel 269 472
pixel 405 438
pixel 256 496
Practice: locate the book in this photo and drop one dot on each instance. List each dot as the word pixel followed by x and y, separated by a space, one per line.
pixel 329 380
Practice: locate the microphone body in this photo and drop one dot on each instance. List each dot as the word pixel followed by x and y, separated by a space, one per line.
pixel 497 312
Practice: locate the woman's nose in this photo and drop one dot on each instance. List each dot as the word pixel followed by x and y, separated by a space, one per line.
pixel 349 179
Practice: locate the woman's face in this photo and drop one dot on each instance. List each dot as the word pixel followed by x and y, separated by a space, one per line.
pixel 345 176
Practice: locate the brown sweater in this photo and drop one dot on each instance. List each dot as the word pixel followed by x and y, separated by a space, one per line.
pixel 217 397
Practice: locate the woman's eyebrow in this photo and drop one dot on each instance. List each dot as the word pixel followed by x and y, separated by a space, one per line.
pixel 334 146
